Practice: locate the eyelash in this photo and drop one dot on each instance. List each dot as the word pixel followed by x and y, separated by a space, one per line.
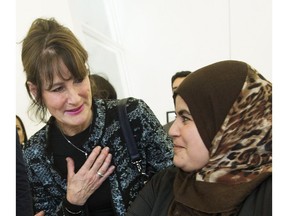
pixel 185 119
pixel 60 88
pixel 78 81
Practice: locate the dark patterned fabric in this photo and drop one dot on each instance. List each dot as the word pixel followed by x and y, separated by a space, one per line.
pixel 155 148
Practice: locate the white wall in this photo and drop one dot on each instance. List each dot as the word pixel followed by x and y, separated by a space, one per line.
pixel 153 39
pixel 251 33
pixel 164 36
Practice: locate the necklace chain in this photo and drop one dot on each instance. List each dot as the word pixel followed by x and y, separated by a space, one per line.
pixel 85 153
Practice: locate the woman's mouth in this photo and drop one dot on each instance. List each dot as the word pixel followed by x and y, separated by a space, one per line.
pixel 75 111
pixel 178 147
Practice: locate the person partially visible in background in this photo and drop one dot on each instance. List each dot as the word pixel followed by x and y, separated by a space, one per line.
pixel 176 80
pixel 222 139
pixel 21 131
pixel 101 87
pixel 24 206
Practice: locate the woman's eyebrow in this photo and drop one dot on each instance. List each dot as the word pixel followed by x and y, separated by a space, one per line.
pixel 53 85
pixel 183 111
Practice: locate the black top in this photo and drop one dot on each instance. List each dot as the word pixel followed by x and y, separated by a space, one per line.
pixel 23 192
pixel 99 203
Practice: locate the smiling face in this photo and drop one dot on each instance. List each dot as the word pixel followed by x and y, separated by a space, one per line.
pixel 69 101
pixel 190 152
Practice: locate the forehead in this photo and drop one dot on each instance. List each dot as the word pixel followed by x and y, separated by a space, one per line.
pixel 58 71
pixel 180 104
pixel 178 81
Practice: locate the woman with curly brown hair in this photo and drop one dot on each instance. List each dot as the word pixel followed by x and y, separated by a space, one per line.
pixel 78 163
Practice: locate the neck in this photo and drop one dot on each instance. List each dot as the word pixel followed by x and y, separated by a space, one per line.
pixel 73 130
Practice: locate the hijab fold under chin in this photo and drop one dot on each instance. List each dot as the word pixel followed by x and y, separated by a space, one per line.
pixel 209 198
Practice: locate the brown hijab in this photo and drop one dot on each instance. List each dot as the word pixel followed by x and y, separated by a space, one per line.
pixel 231 104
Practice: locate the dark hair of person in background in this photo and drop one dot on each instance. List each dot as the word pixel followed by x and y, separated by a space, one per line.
pixel 21 130
pixel 101 87
pixel 180 74
pixel 24 205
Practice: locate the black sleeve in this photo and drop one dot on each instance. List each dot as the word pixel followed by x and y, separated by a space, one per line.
pixel 68 209
pixel 259 203
pixel 155 198
pixel 143 204
pixel 23 192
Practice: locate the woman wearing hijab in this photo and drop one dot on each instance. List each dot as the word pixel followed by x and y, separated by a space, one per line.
pixel 222 139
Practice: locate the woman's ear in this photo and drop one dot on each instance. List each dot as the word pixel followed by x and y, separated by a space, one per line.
pixel 32 89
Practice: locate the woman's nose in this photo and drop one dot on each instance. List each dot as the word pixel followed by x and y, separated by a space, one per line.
pixel 173 129
pixel 73 96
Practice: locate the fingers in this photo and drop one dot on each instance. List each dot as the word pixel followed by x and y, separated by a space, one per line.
pixel 91 159
pixel 101 168
pixel 93 162
pixel 40 213
pixel 82 184
pixel 103 161
pixel 105 169
pixel 108 172
pixel 70 167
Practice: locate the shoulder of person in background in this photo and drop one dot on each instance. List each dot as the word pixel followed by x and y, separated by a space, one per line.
pixel 23 192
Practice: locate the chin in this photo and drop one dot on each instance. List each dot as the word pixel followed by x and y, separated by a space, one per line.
pixel 177 162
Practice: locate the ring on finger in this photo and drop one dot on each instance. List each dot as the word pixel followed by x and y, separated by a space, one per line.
pixel 100 174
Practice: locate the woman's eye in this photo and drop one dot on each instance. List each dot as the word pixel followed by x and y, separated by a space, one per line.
pixel 186 118
pixel 58 89
pixel 78 80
